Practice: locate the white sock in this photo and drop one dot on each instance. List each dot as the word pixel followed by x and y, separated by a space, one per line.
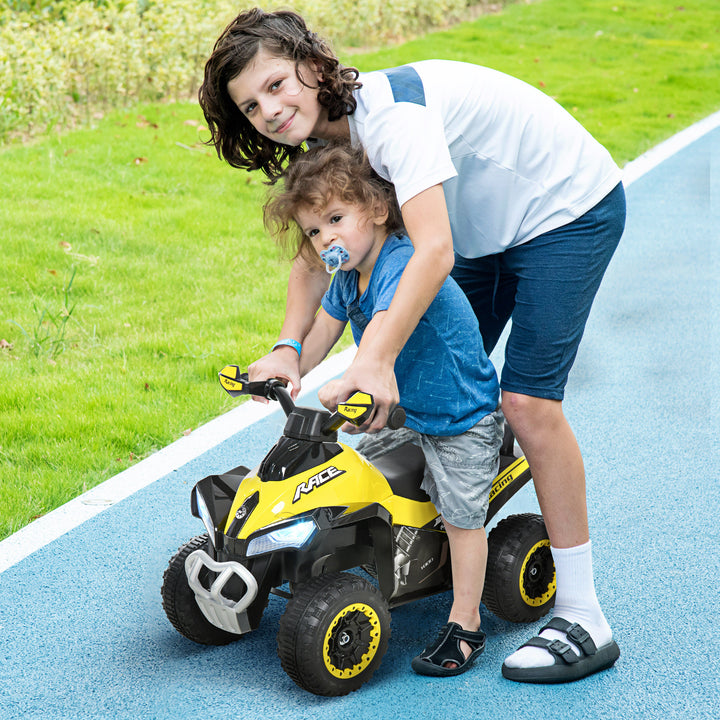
pixel 575 601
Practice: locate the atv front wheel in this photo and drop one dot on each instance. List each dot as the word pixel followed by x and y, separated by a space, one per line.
pixel 334 633
pixel 179 603
pixel 520 575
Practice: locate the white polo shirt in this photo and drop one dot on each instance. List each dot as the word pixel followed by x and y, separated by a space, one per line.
pixel 513 163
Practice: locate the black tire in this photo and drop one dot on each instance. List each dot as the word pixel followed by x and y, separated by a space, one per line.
pixel 334 633
pixel 178 600
pixel 520 575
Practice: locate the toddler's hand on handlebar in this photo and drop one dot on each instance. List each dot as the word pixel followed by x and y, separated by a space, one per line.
pixel 282 363
pixel 327 395
pixel 358 409
pixel 377 379
pixel 385 395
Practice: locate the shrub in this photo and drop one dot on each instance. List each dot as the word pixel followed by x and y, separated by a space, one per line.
pixel 63 62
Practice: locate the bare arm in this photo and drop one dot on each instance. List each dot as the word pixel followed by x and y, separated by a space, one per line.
pixel 323 335
pixel 328 394
pixel 428 226
pixel 306 286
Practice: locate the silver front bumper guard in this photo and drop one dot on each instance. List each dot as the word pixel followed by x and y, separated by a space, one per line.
pixel 229 615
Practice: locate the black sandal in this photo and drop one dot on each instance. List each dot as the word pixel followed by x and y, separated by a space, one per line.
pixel 446 649
pixel 568 665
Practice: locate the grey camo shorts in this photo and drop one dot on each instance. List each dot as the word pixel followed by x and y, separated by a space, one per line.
pixel 459 469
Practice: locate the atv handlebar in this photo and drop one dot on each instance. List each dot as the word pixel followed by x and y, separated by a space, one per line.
pixel 355 410
pixel 396 419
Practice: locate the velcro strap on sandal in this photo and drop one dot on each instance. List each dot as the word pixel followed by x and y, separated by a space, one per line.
pixel 446 647
pixel 556 647
pixel 474 639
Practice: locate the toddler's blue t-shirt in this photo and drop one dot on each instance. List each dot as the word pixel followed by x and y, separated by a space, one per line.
pixel 447 383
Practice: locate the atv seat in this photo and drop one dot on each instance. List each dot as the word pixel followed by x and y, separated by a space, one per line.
pixel 403 468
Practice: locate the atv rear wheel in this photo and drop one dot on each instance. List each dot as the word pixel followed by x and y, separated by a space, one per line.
pixel 178 600
pixel 334 633
pixel 520 575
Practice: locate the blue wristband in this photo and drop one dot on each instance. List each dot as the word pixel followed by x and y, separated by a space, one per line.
pixel 294 344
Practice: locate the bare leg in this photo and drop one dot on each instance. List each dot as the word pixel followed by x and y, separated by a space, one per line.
pixel 556 463
pixel 559 476
pixel 468 552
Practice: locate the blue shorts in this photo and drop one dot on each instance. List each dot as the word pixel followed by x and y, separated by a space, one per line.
pixel 547 287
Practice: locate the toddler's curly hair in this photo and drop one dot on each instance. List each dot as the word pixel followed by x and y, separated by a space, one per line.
pixel 335 171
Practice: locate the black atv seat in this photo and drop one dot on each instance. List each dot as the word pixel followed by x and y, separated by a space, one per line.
pixel 403 468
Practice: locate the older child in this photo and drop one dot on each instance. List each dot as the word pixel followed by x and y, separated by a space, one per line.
pixel 533 207
pixel 333 202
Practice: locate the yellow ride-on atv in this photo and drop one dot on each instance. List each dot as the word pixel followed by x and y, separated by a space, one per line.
pixel 315 509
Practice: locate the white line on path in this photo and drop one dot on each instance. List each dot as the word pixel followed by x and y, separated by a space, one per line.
pixel 653 157
pixel 60 521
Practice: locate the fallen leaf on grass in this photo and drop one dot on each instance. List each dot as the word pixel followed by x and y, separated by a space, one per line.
pixel 187 432
pixel 140 160
pixel 143 122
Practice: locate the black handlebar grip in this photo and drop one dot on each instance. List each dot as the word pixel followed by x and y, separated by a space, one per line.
pixel 397 418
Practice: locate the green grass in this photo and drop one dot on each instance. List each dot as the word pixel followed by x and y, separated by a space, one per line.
pixel 173 277
pixel 633 73
pixel 172 274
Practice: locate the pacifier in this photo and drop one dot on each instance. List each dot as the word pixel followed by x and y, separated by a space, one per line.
pixel 334 257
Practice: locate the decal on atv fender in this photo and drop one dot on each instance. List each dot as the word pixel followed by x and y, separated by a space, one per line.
pixel 316 481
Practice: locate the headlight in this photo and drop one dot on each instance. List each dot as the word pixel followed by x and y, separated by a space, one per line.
pixel 289 536
pixel 205 516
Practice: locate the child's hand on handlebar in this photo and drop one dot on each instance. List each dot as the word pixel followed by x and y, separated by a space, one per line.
pixel 282 363
pixel 385 396
pixel 376 379
pixel 328 395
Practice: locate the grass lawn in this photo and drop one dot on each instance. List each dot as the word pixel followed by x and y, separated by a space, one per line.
pixel 135 263
pixel 633 73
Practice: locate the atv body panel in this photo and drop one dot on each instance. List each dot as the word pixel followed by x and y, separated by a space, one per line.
pixel 357 515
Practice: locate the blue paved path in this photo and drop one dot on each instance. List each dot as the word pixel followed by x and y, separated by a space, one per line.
pixel 83 635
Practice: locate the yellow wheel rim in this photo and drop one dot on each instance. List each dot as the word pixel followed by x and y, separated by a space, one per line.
pixel 535 567
pixel 351 641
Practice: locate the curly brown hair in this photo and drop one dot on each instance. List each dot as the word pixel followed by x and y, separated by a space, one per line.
pixel 337 171
pixel 285 35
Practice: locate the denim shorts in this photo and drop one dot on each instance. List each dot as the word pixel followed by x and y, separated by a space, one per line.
pixel 459 469
pixel 546 286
